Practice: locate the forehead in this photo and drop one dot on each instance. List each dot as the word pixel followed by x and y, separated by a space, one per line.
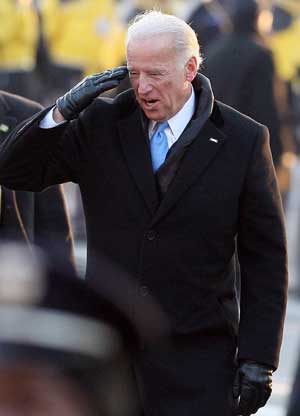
pixel 156 50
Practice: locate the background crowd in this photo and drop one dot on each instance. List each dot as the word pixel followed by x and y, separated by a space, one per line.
pixel 252 58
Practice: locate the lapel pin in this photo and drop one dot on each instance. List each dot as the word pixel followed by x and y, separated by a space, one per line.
pixel 213 140
pixel 4 128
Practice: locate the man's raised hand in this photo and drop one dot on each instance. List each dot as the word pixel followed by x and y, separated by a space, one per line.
pixel 82 95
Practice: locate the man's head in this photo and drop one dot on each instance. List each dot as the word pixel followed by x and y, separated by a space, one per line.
pixel 163 58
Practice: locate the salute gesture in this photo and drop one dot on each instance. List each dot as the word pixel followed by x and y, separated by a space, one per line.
pixel 82 95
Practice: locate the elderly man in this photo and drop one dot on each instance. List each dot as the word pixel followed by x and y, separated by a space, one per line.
pixel 171 181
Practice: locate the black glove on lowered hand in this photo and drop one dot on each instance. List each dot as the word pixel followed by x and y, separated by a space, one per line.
pixel 253 385
pixel 80 96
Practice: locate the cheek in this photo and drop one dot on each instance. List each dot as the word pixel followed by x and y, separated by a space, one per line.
pixel 133 83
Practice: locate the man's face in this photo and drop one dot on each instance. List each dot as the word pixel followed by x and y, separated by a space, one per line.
pixel 161 85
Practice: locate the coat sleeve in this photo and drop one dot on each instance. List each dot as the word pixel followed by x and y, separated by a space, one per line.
pixel 262 254
pixel 52 225
pixel 32 158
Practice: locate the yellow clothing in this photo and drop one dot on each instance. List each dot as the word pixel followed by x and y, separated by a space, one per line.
pixel 18 35
pixel 285 43
pixel 83 34
pixel 286 50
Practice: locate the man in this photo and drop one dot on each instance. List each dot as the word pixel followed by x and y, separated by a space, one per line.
pixel 24 216
pixel 172 220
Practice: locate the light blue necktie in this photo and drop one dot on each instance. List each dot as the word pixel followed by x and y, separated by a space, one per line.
pixel 159 145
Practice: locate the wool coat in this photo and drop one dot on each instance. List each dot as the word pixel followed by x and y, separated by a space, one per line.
pixel 39 218
pixel 178 249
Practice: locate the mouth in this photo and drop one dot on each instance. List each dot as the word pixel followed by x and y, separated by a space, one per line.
pixel 149 104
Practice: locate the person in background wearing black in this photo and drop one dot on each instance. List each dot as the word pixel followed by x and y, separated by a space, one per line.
pixel 39 218
pixel 242 72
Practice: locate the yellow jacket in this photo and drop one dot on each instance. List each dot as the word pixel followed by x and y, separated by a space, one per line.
pixel 84 34
pixel 286 51
pixel 285 43
pixel 18 35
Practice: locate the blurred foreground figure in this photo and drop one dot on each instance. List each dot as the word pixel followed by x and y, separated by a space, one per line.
pixel 63 346
pixel 41 218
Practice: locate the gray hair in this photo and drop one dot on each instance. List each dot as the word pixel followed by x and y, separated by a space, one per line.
pixel 154 22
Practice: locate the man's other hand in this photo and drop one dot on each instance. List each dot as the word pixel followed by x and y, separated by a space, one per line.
pixel 253 387
pixel 82 95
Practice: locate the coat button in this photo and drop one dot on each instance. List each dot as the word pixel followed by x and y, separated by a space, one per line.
pixel 144 290
pixel 151 235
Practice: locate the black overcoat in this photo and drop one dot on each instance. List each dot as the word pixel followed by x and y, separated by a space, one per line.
pixel 179 249
pixel 39 218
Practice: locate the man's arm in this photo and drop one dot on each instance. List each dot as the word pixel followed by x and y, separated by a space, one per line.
pixel 33 158
pixel 262 252
pixel 263 265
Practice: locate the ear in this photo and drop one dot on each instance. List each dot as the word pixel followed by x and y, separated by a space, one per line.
pixel 191 69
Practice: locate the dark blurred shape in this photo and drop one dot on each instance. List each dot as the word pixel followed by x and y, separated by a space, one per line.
pixel 282 19
pixel 244 16
pixel 64 347
pixel 41 219
pixel 242 72
pixel 210 21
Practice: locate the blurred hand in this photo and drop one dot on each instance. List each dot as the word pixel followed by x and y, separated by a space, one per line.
pixel 82 95
pixel 253 387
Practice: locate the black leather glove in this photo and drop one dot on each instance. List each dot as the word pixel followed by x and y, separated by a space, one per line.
pixel 253 387
pixel 80 96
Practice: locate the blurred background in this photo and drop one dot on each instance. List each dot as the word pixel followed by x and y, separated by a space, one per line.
pixel 251 55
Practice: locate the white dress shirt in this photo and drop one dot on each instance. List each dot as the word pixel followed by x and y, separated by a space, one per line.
pixel 178 122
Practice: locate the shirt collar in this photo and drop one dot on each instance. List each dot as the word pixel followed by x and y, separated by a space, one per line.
pixel 180 120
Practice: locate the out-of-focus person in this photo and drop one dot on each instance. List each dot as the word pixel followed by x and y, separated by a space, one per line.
pixel 64 346
pixel 19 31
pixel 82 37
pixel 241 70
pixel 35 218
pixel 284 41
pixel 209 20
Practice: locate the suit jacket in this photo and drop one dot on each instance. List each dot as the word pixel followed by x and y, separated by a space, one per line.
pixel 179 249
pixel 39 218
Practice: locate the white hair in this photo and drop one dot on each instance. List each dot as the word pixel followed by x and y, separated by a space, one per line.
pixel 154 22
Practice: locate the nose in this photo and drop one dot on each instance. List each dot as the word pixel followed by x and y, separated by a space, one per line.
pixel 144 86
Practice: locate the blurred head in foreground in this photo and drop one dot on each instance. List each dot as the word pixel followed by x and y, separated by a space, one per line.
pixel 64 347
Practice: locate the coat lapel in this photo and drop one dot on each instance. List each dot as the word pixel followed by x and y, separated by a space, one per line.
pixel 198 156
pixel 136 150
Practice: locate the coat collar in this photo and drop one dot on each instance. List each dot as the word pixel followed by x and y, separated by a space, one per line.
pixel 203 148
